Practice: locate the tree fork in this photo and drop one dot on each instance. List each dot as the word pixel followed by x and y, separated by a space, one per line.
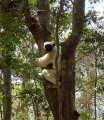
pixel 68 56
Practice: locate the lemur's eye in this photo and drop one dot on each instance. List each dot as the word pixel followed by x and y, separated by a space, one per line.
pixel 53 44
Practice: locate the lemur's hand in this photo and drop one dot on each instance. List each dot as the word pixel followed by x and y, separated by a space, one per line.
pixel 50 66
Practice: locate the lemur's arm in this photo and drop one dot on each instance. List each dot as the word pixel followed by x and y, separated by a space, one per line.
pixel 45 60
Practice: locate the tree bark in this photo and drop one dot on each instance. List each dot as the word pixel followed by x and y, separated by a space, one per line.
pixel 68 61
pixel 7 87
pixel 41 32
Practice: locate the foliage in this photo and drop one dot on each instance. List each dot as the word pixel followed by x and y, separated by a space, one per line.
pixel 28 98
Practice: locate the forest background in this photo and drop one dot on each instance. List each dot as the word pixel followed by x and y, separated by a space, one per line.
pixel 21 86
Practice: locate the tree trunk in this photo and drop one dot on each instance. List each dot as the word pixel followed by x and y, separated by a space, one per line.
pixel 68 62
pixel 68 80
pixel 7 87
pixel 41 32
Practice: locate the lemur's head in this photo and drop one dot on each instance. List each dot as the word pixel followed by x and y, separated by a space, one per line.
pixel 49 46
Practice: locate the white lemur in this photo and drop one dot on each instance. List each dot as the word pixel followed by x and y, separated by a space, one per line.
pixel 48 60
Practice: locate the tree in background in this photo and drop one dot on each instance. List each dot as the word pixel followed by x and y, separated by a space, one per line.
pixel 50 20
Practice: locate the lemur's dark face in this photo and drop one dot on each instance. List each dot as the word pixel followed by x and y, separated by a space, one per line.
pixel 48 46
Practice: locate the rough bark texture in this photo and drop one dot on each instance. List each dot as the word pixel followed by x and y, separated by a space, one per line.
pixel 68 62
pixel 41 32
pixel 68 79
pixel 7 87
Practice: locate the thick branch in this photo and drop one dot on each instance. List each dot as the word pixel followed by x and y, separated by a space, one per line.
pixel 44 13
pixel 10 7
pixel 32 22
pixel 68 61
pixel 77 24
pixel 34 26
pixel 29 19
pixel 78 16
pixel 71 43
pixel 44 17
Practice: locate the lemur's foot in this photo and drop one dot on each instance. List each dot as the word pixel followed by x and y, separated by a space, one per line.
pixel 54 86
pixel 51 86
pixel 59 83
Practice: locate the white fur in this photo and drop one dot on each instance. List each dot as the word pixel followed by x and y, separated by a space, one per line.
pixel 49 58
pixel 50 75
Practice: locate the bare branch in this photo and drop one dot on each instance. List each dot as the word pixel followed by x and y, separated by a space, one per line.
pixel 78 16
pixel 33 24
pixel 78 24
pixel 29 19
pixel 56 61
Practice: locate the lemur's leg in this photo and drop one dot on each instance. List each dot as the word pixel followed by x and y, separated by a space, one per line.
pixel 50 75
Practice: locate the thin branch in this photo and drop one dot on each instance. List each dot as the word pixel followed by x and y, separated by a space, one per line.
pixel 56 61
pixel 95 85
pixel 81 86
